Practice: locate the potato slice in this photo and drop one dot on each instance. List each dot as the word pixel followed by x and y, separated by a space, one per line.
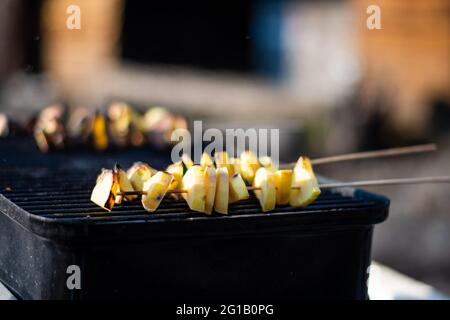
pixel 236 165
pixel 238 189
pixel 221 158
pixel 138 173
pixel 249 166
pixel 187 160
pixel 264 179
pixel 194 184
pixel 267 163
pixel 156 188
pixel 175 169
pixel 124 183
pixel 222 191
pixel 206 161
pixel 283 181
pixel 116 178
pixel 210 183
pixel 104 192
pixel 304 178
pixel 99 133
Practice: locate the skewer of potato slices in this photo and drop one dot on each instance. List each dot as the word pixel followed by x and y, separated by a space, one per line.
pixel 204 188
pixel 215 184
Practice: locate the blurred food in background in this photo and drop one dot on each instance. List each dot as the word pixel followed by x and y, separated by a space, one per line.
pixel 310 68
pixel 4 125
pixel 121 126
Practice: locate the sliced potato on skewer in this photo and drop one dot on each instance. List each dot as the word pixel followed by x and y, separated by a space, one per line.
pixel 156 188
pixel 99 133
pixel 124 183
pixel 264 180
pixel 187 160
pixel 236 165
pixel 138 173
pixel 222 191
pixel 210 184
pixel 206 161
pixel 175 169
pixel 267 163
pixel 194 184
pixel 118 197
pixel 105 190
pixel 306 185
pixel 283 181
pixel 249 165
pixel 223 160
pixel 238 189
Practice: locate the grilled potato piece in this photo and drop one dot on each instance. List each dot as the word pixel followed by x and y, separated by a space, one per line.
pixel 264 179
pixel 222 191
pixel 206 161
pixel 249 166
pixel 238 189
pixel 236 165
pixel 99 133
pixel 138 173
pixel 194 184
pixel 119 116
pixel 124 184
pixel 176 169
pixel 267 163
pixel 116 177
pixel 156 188
pixel 210 184
pixel 41 140
pixel 223 160
pixel 283 181
pixel 303 177
pixel 187 160
pixel 104 192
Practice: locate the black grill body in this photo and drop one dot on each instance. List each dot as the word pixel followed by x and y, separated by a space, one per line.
pixel 47 224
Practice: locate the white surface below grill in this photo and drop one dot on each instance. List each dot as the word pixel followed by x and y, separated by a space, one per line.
pixel 388 284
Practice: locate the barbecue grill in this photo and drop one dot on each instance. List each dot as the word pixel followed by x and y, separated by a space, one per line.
pixel 47 223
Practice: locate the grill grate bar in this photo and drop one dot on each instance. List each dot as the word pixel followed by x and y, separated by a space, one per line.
pixel 81 205
pixel 50 200
pixel 185 211
pixel 141 214
pixel 84 194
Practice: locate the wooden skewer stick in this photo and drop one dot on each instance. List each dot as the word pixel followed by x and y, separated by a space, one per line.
pixel 373 154
pixel 363 183
pixel 386 182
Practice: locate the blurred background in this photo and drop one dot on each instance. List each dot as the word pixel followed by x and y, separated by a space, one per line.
pixel 310 68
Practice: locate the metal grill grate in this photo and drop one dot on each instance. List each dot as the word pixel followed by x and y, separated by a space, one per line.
pixel 65 195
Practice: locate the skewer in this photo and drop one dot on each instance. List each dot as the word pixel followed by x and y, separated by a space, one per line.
pixel 386 182
pixel 372 154
pixel 363 183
